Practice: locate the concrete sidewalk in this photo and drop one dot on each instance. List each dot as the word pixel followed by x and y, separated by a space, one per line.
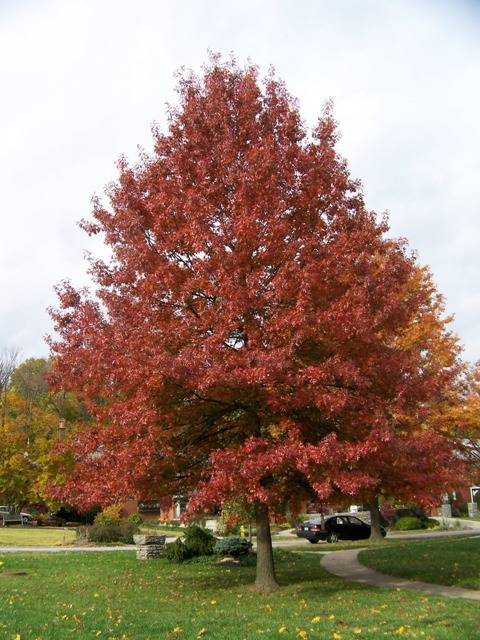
pixel 65 549
pixel 345 564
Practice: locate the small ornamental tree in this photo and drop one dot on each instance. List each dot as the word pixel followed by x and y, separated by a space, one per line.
pixel 242 338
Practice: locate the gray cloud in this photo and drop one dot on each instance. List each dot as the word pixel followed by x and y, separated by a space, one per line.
pixel 83 81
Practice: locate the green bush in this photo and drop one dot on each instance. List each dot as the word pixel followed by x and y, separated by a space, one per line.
pixel 199 541
pixel 127 530
pixel 122 531
pixel 136 518
pixel 176 551
pixel 232 546
pixel 408 523
pixel 104 533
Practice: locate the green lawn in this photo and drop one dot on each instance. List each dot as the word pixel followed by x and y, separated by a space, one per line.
pixel 113 596
pixel 442 561
pixel 33 536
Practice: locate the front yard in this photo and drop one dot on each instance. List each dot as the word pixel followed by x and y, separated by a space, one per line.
pixel 116 597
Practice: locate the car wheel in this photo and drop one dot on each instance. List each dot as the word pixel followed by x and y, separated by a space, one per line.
pixel 332 537
pixel 313 541
pixel 25 520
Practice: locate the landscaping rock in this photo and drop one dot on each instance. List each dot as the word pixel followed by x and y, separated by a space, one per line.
pixel 149 546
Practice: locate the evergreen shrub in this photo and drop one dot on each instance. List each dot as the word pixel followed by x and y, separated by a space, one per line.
pixel 199 541
pixel 176 551
pixel 232 546
pixel 408 523
pixel 429 523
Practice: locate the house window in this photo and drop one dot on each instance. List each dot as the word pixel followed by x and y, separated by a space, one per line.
pixel 148 505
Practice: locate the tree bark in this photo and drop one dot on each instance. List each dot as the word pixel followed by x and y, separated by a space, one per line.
pixel 266 579
pixel 376 531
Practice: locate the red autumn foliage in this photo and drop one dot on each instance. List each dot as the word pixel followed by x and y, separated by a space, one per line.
pixel 247 333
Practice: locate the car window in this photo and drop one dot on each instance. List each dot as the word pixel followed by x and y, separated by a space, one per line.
pixel 355 521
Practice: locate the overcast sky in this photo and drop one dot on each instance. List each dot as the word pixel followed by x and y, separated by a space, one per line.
pixel 82 81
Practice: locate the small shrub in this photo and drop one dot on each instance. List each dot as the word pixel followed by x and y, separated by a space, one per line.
pixel 81 535
pixel 224 528
pixel 232 546
pixel 136 518
pixel 198 541
pixel 128 529
pixel 176 551
pixel 104 533
pixel 110 515
pixel 248 560
pixel 122 531
pixel 408 523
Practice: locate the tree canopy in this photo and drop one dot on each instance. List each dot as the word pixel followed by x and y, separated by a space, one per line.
pixel 247 334
pixel 28 430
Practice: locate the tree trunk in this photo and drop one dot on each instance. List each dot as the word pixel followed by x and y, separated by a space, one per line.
pixel 376 532
pixel 265 579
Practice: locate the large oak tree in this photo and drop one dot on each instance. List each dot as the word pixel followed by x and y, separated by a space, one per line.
pixel 244 330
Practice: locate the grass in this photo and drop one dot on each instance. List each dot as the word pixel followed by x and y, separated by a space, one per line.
pixel 441 561
pixel 35 536
pixel 116 597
